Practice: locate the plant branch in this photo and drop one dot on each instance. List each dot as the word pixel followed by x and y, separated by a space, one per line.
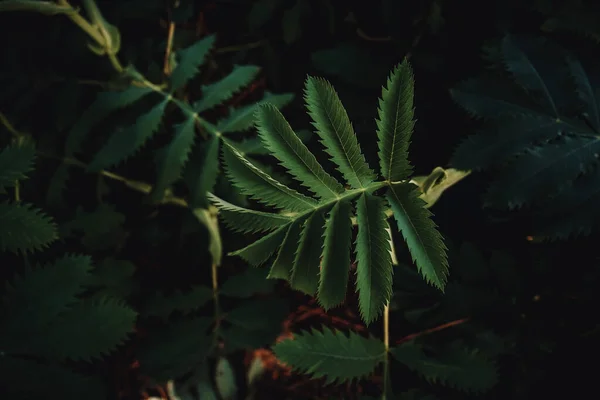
pixel 434 329
pixel 82 23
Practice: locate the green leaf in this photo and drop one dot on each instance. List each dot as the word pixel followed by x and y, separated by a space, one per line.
pixel 458 367
pixel 586 92
pixel 90 329
pixel 424 241
pixel 16 161
pixel 331 355
pixel 25 228
pixel 283 265
pixel 487 98
pixel 242 119
pixel 395 124
pixel 124 143
pixel 221 91
pixel 245 220
pixel 278 137
pixel 254 145
pixel 336 256
pixel 202 171
pixel 101 228
pixel 171 159
pixel 190 60
pixel 537 174
pixel 336 132
pixel 259 185
pixel 374 261
pixel 260 251
pixel 305 270
pixel 530 74
pixel 485 149
pixel 36 297
pixel 105 104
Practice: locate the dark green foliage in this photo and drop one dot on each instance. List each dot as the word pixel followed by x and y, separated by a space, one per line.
pixel 307 264
pixel 332 355
pixel 175 349
pixel 15 162
pixel 456 366
pixel 44 316
pixel 25 228
pixel 183 312
pixel 541 130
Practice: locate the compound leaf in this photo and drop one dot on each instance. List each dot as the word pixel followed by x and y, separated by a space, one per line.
pixel 331 354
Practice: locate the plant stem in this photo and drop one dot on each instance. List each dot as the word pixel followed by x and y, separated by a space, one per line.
pixel 386 324
pixel 4 121
pixel 83 23
pixel 386 343
pixel 215 287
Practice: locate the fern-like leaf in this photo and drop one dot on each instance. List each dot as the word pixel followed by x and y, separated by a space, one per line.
pixel 221 91
pixel 336 132
pixel 259 186
pixel 202 171
pixel 425 243
pixel 374 260
pixel 242 118
pixel 105 104
pixel 294 233
pixel 305 270
pixel 260 251
pixel 36 297
pixel 247 221
pixel 534 176
pixel 124 143
pixel 15 162
pixel 333 279
pixel 331 355
pixel 25 228
pixel 528 73
pixel 283 265
pixel 585 90
pixel 190 59
pixel 77 335
pixel 486 149
pixel 487 98
pixel 395 124
pixel 278 137
pixel 457 367
pixel 549 142
pixel 171 159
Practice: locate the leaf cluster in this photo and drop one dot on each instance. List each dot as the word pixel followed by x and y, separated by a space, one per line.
pixel 541 132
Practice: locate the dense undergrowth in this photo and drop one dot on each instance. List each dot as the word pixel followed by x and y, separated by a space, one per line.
pixel 167 232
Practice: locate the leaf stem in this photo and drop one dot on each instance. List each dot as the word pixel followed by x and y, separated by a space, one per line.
pixel 83 23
